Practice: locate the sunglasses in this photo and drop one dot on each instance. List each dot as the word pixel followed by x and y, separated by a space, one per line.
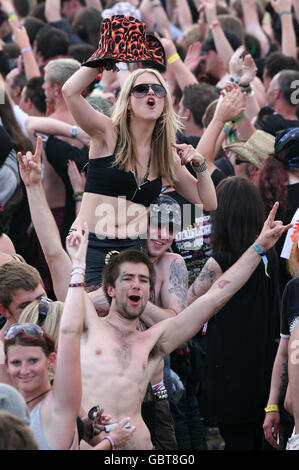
pixel 43 309
pixel 30 329
pixel 140 91
pixel 238 161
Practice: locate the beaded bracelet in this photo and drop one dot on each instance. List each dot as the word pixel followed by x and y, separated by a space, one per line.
pixel 77 284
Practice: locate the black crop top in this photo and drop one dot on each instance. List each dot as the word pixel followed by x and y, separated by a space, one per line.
pixel 103 178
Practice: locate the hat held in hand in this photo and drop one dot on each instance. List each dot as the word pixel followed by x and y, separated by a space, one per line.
pixel 124 39
pixel 256 149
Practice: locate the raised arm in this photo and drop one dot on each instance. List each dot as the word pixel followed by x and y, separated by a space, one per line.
pixel 252 24
pixel 50 126
pixel 92 122
pixel 176 331
pixel 21 39
pixel 288 36
pixel 43 221
pixel 67 387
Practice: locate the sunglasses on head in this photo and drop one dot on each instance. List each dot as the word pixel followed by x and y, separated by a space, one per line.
pixel 238 161
pixel 30 329
pixel 43 309
pixel 140 91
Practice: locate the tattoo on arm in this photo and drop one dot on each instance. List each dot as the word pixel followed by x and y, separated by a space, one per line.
pixel 223 283
pixel 206 275
pixel 178 279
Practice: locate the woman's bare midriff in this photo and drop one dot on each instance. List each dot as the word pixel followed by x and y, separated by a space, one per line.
pixel 112 217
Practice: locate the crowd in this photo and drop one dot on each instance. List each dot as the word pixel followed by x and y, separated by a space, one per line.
pixel 149 224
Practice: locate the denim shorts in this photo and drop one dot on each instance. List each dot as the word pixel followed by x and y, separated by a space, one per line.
pixel 99 252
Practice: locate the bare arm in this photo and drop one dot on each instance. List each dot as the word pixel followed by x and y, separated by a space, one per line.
pixel 173 292
pixel 47 125
pixel 272 418
pixel 84 114
pixel 208 275
pixel 21 39
pixel 175 331
pixel 252 24
pixel 184 14
pixel 53 10
pixel 44 223
pixel 296 8
pixel 67 386
pixel 288 35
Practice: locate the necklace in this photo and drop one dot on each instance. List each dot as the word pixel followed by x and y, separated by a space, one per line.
pixel 144 179
pixel 38 396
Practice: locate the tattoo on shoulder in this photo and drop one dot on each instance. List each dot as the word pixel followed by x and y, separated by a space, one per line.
pixel 223 283
pixel 178 278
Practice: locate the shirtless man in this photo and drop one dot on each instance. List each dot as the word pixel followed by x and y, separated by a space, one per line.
pixel 117 360
pixel 127 358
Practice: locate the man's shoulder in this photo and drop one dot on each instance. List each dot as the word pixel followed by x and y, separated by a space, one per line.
pixel 168 258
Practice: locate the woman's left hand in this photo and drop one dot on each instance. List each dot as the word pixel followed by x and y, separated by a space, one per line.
pixel 188 154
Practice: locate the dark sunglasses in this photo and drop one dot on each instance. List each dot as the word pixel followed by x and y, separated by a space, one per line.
pixel 238 161
pixel 140 91
pixel 30 329
pixel 43 309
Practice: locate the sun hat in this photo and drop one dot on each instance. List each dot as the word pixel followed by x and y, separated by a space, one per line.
pixel 123 38
pixel 12 401
pixel 256 149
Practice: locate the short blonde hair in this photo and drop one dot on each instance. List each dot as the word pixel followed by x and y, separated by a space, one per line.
pixel 52 321
pixel 164 133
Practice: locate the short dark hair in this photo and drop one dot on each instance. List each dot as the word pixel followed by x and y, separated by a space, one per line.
pixel 19 80
pixel 51 42
pixel 209 43
pixel 276 62
pixel 80 52
pixel 32 26
pixel 35 92
pixel 197 98
pixel 14 276
pixel 111 270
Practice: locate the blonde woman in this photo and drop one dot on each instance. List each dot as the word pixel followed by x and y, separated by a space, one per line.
pixel 130 153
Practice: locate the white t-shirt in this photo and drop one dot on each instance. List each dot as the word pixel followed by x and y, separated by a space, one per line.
pixel 286 250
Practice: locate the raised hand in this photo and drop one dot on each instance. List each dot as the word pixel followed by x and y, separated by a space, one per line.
pixel 281 5
pixel 272 230
pixel 193 57
pixel 76 245
pixel 236 62
pixel 77 179
pixel 231 104
pixel 30 165
pixel 188 154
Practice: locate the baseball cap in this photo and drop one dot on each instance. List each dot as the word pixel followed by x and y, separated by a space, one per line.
pixel 12 401
pixel 165 210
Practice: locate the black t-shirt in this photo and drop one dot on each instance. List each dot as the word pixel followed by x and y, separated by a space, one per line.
pixel 241 347
pixel 276 123
pixel 193 241
pixel 289 307
pixel 58 153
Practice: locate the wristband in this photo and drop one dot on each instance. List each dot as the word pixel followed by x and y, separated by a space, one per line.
pixel 77 194
pixel 199 167
pixel 271 408
pixel 214 24
pixel 263 255
pixel 239 118
pixel 12 16
pixel 77 284
pixel 25 49
pixel 173 58
pixel 285 12
pixel 111 440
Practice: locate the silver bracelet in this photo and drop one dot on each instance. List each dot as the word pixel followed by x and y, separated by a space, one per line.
pixel 200 167
pixel 78 271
